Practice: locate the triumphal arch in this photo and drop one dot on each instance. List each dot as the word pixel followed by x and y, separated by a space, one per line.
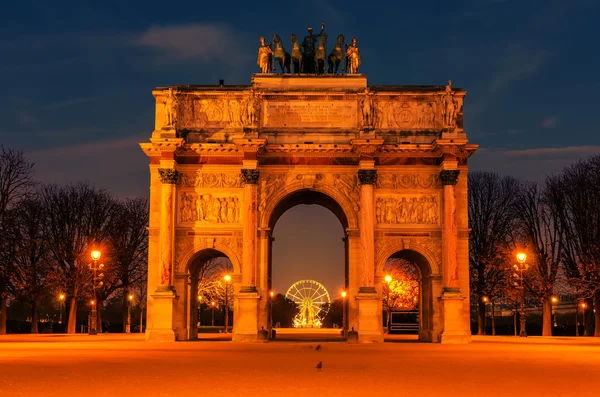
pixel 389 161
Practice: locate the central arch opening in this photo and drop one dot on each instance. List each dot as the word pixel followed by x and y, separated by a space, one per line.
pixel 308 267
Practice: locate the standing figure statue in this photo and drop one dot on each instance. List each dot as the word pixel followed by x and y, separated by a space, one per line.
pixel 337 55
pixel 450 105
pixel 367 110
pixel 308 46
pixel 264 60
pixel 321 55
pixel 170 103
pixel 297 56
pixel 352 57
pixel 281 57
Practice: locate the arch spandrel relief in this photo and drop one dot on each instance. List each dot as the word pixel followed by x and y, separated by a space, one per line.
pixel 187 247
pixel 429 247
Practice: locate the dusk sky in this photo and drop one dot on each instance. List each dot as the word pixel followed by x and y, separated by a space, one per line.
pixel 77 76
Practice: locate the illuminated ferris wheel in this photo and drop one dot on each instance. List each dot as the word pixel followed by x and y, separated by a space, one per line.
pixel 313 302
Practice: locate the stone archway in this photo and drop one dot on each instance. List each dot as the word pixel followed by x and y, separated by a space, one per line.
pixel 426 308
pixel 389 161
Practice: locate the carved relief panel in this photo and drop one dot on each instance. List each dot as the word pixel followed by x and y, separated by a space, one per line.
pixel 408 181
pixel 211 180
pixel 406 114
pixel 407 209
pixel 209 208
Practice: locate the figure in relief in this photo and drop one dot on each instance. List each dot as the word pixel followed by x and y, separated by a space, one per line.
pixel 450 106
pixel 367 110
pixel 297 56
pixel 352 57
pixel 252 107
pixel 170 103
pixel 267 187
pixel 264 56
pixel 321 55
pixel 281 57
pixel 308 47
pixel 188 208
pixel 348 187
pixel 337 55
pixel 234 113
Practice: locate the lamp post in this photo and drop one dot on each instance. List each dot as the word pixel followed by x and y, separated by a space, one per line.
pixel 344 330
pixel 227 279
pixel 271 295
pixel 388 314
pixel 521 258
pixel 213 314
pixel 61 298
pixel 199 310
pixel 554 301
pixel 485 301
pixel 128 326
pixel 583 306
pixel 93 321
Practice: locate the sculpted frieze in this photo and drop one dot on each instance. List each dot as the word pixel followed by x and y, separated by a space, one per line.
pixel 406 114
pixel 430 247
pixel 407 210
pixel 268 185
pixel 228 112
pixel 408 181
pixel 348 186
pixel 212 180
pixel 208 208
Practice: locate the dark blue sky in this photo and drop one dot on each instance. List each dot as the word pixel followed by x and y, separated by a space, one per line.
pixel 77 76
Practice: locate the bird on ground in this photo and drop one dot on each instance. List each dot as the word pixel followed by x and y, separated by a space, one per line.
pixel 318 348
pixel 320 366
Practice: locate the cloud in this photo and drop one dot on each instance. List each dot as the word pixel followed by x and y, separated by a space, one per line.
pixel 517 62
pixel 203 41
pixel 568 150
pixel 548 122
pixel 85 149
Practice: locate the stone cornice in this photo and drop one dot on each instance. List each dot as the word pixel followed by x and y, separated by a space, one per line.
pixel 159 145
pixel 250 145
pixel 210 149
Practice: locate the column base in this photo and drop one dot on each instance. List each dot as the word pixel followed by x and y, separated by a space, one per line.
pixel 369 321
pixel 246 327
pixel 453 331
pixel 162 327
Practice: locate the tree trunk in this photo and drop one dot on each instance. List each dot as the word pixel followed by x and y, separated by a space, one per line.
pixel 99 316
pixel 72 324
pixel 34 318
pixel 124 304
pixel 493 319
pixel 589 317
pixel 515 319
pixel 480 317
pixel 547 316
pixel 597 315
pixel 3 315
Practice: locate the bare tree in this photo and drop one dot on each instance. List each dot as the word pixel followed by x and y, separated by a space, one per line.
pixel 491 219
pixel 541 229
pixel 76 218
pixel 577 196
pixel 32 266
pixel 16 181
pixel 128 249
pixel 211 284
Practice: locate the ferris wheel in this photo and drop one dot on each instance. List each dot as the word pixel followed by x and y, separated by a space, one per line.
pixel 313 302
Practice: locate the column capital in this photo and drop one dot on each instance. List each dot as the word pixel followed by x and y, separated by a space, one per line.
pixel 367 177
pixel 250 176
pixel 449 177
pixel 169 176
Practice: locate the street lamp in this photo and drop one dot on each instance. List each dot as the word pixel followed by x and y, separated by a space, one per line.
pixel 344 330
pixel 271 295
pixel 554 301
pixel 199 310
pixel 583 306
pixel 485 300
pixel 213 313
pixel 521 257
pixel 128 326
pixel 227 279
pixel 95 267
pixel 61 298
pixel 388 280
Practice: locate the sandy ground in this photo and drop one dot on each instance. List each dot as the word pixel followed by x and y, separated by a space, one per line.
pixel 119 365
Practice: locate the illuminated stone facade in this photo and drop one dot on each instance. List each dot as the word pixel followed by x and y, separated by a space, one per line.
pixel 389 161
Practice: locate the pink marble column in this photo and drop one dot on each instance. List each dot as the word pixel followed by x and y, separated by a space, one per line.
pixel 169 179
pixel 449 232
pixel 367 179
pixel 250 181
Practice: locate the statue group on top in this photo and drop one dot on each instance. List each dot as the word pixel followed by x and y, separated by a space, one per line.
pixel 310 56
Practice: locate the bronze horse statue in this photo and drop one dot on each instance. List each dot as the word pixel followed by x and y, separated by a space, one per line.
pixel 321 54
pixel 297 56
pixel 336 56
pixel 281 57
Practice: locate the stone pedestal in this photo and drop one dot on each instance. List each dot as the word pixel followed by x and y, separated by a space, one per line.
pixel 369 318
pixel 453 327
pixel 246 327
pixel 162 327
